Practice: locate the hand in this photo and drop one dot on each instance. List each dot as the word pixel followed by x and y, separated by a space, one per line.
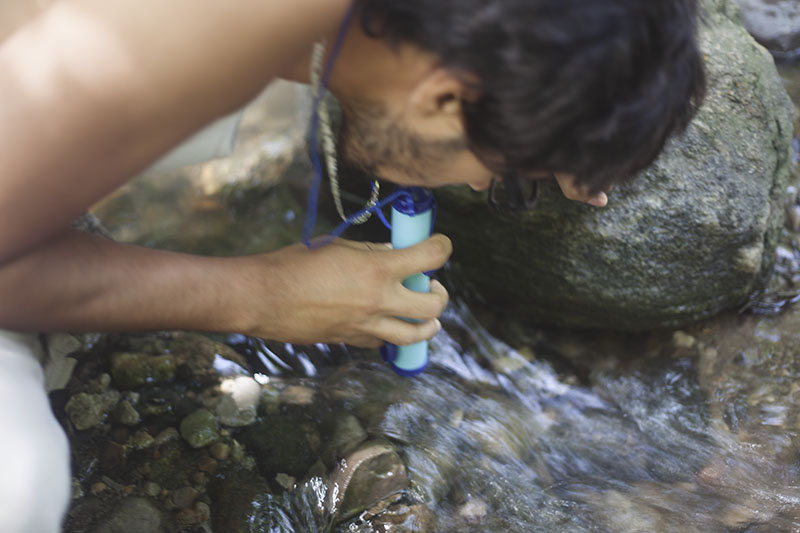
pixel 348 292
pixel 579 193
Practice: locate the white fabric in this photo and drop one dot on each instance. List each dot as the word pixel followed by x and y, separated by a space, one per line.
pixel 34 452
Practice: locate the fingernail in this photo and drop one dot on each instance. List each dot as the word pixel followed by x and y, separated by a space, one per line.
pixel 438 326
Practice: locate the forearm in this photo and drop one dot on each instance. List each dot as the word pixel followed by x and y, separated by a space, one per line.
pixel 94 90
pixel 79 282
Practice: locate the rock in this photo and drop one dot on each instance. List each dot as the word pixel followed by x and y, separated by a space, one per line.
pixel 297 395
pixel 282 444
pixel 287 482
pixel 90 410
pixel 126 414
pixel 184 497
pixel 774 23
pixel 134 370
pixel 196 515
pixel 134 515
pixel 141 440
pixel 347 434
pixel 220 451
pixel 473 510
pixel 370 474
pixel 691 236
pixel 151 489
pixel 239 403
pixel 200 429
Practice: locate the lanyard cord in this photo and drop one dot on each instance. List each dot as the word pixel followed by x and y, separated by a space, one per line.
pixel 316 118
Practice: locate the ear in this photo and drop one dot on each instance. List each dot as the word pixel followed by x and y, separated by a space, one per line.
pixel 439 95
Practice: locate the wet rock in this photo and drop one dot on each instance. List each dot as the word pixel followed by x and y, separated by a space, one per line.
pixel 774 23
pixel 90 410
pixel 297 395
pixel 692 235
pixel 196 354
pixel 239 403
pixel 134 515
pixel 473 510
pixel 184 497
pixel 126 414
pixel 370 474
pixel 151 489
pixel 405 519
pixel 240 503
pixel 287 482
pixel 282 443
pixel 347 434
pixel 166 435
pixel 681 339
pixel 194 515
pixel 135 370
pixel 141 440
pixel 220 451
pixel 200 428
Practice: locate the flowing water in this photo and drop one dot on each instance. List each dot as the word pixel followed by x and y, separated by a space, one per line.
pixel 518 429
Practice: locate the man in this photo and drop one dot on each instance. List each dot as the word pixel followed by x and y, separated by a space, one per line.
pixel 433 93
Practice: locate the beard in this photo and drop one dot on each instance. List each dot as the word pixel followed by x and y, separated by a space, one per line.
pixel 370 140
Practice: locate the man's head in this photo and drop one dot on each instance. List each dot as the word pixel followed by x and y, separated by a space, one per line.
pixel 456 91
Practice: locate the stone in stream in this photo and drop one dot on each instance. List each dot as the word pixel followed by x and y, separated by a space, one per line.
pixel 90 410
pixel 774 23
pixel 133 515
pixel 239 403
pixel 370 474
pixel 135 370
pixel 200 428
pixel 691 236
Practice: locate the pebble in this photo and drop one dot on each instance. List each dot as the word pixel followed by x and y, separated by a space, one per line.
pixel 98 487
pixel 298 395
pixel 199 478
pixel 195 515
pixel 200 428
pixel 133 515
pixel 681 339
pixel 184 497
pixel 152 489
pixel 141 440
pixel 126 414
pixel 166 436
pixel 473 510
pixel 239 403
pixel 286 481
pixel 220 451
pixel 208 464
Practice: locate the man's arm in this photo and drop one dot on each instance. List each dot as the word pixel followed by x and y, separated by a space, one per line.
pixel 94 90
pixel 344 292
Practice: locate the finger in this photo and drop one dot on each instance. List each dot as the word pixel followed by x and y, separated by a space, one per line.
pixel 364 341
pixel 420 305
pixel 402 333
pixel 598 200
pixel 364 246
pixel 428 255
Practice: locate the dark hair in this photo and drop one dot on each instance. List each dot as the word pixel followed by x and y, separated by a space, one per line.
pixel 588 87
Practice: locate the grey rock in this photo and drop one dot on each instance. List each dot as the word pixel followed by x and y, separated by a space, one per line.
pixel 238 406
pixel 774 23
pixel 134 515
pixel 693 235
pixel 200 429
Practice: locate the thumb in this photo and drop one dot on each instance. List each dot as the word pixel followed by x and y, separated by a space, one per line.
pixel 430 254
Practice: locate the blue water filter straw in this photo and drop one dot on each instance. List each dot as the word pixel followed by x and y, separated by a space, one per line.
pixel 412 222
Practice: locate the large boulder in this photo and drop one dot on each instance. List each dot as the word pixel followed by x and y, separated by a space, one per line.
pixel 774 23
pixel 691 236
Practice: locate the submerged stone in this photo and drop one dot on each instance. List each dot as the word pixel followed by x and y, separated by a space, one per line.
pixel 200 428
pixel 134 370
pixel 89 410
